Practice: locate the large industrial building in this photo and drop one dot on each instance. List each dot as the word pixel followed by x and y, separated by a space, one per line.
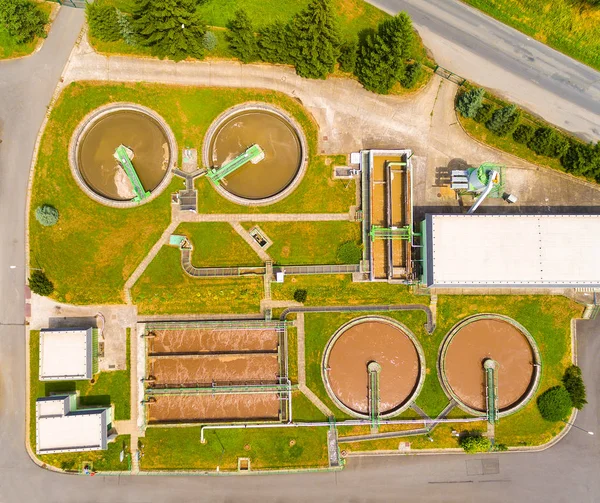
pixel 517 251
pixel 68 354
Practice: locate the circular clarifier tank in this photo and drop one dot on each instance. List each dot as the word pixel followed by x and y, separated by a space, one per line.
pixel 489 338
pixel 279 137
pixel 149 141
pixel 368 346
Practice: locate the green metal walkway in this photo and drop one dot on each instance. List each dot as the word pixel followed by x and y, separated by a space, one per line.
pixel 378 232
pixel 491 391
pixel 252 154
pixel 125 162
pixel 374 369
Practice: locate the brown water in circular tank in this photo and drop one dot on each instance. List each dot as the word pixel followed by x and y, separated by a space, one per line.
pixel 137 131
pixel 363 343
pixel 279 142
pixel 495 339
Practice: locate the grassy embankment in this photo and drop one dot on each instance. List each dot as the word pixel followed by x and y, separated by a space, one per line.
pixel 109 388
pixel 572 27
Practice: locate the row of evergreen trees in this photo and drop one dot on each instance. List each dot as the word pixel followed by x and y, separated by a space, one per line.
pixel 576 157
pixel 311 41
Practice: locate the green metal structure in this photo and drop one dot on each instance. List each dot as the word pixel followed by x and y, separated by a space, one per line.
pixel 378 232
pixel 125 162
pixel 252 154
pixel 374 399
pixel 491 390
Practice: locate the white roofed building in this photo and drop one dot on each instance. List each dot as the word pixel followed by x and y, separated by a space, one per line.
pixel 60 427
pixel 514 251
pixel 68 354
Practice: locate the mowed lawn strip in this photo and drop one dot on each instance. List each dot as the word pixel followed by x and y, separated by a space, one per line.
pixel 570 27
pixel 93 249
pixel 110 388
pixel 268 449
pixel 298 243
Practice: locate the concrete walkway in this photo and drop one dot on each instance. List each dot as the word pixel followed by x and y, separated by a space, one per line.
pixel 245 235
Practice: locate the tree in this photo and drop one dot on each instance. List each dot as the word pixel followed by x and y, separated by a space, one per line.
pixel 347 57
pixel 504 120
pixel 549 142
pixel 555 404
pixel 103 21
pixel 397 33
pixel 316 40
pixel 209 41
pixel 23 20
pixel 484 113
pixel 374 65
pixel 241 38
pixel 523 134
pixel 474 443
pixel 581 159
pixel 573 382
pixel 127 32
pixel 469 103
pixel 274 43
pixel 46 215
pixel 40 284
pixel 300 295
pixel 171 28
pixel 411 75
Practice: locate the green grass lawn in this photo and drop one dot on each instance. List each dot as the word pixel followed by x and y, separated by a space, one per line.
pixel 10 49
pixel 572 27
pixel 268 449
pixel 292 354
pixel 296 243
pixel 164 288
pixel 111 242
pixel 339 290
pixel 216 244
pixel 112 387
pixel 303 410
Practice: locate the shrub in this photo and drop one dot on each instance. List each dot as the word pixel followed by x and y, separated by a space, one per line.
pixel 474 443
pixel 274 43
pixel 549 142
pixel 484 113
pixel 240 37
pixel 523 134
pixel 469 103
pixel 316 40
pixel 40 284
pixel 504 120
pixel 171 28
pixel 349 253
pixel 500 448
pixel 555 404
pixel 126 29
pixel 582 159
pixel 348 55
pixel 300 295
pixel 411 75
pixel 573 382
pixel 103 21
pixel 209 41
pixel 46 215
pixel 23 20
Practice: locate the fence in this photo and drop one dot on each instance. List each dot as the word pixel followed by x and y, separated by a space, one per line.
pixel 447 74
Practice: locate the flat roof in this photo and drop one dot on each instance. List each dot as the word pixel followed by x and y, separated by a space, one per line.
pixel 60 430
pixel 513 250
pixel 64 354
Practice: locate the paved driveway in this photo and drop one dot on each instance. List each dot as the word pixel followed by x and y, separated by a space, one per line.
pixel 483 50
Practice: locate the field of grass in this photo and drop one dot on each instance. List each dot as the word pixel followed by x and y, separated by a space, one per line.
pixel 308 242
pixel 164 288
pixel 110 387
pixel 268 449
pixel 111 242
pixel 10 49
pixel 339 290
pixel 292 353
pixel 572 27
pixel 303 410
pixel 216 244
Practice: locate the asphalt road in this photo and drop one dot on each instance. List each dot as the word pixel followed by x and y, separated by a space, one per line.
pixel 567 472
pixel 483 50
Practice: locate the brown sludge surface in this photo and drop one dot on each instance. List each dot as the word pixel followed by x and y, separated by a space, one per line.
pixel 205 369
pixel 193 340
pixel 213 407
pixel 489 339
pixel 373 341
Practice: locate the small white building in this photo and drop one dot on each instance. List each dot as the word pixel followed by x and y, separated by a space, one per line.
pixel 68 354
pixel 60 427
